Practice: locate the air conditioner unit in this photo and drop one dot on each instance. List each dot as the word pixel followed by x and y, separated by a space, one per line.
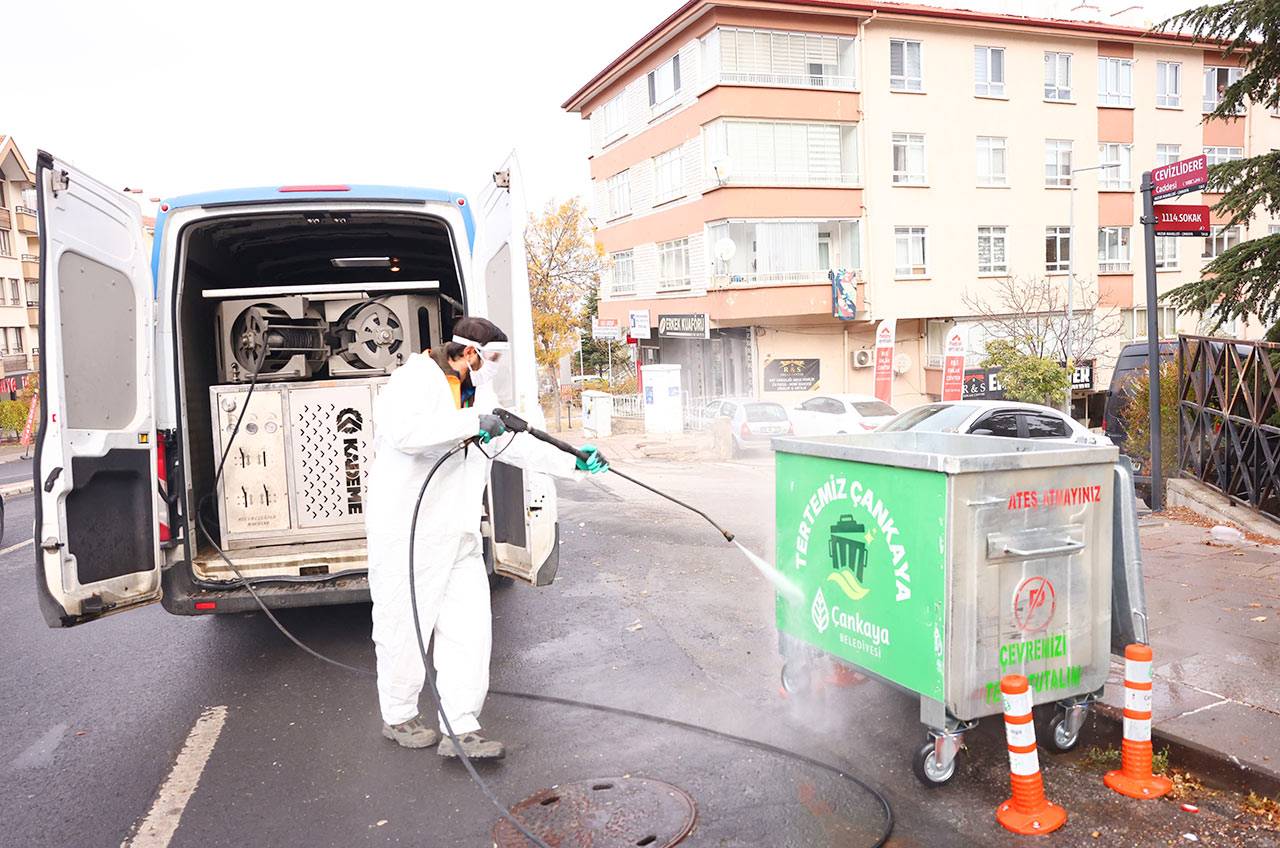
pixel 864 358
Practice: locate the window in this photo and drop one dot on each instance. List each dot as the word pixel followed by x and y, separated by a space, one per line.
pixel 909 252
pixel 1169 84
pixel 1044 426
pixel 783 251
pixel 673 264
pixel 1167 323
pixel 1057 249
pixel 991 161
pixel 992 256
pixel 1273 229
pixel 935 335
pixel 4 243
pixel 618 188
pixel 906 67
pixel 1057 162
pixel 1218 155
pixel 1113 250
pixel 1004 423
pixel 1115 81
pixel 15 294
pixel 33 294
pixel 806 60
pixel 1167 154
pixel 908 159
pixel 781 153
pixel 1166 253
pixel 1115 179
pixel 1216 81
pixel 664 81
pixel 1219 241
pixel 612 117
pixel 1057 76
pixel 988 71
pixel 624 273
pixel 668 175
pixel 17 340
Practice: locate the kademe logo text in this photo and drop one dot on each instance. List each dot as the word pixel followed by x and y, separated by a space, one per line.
pixel 863 527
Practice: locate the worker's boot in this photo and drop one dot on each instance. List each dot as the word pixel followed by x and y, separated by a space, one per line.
pixel 475 746
pixel 414 733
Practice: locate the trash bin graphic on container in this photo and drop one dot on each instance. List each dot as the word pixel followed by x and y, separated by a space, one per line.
pixel 847 548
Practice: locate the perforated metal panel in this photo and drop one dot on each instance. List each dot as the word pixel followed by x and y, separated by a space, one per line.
pixel 331 433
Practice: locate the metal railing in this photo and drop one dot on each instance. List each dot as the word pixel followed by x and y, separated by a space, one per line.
pixel 845 83
pixel 769 278
pixel 1229 418
pixel 628 406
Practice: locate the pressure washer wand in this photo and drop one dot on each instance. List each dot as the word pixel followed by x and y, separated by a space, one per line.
pixel 516 424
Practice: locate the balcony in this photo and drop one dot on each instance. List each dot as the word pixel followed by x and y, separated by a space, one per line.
pixel 33 315
pixel 13 363
pixel 26 220
pixel 737 56
pixel 6 221
pixel 781 252
pixel 785 80
pixel 30 266
pixel 771 278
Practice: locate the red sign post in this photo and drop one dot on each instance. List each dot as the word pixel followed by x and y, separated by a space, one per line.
pixel 953 366
pixel 1179 177
pixel 1174 219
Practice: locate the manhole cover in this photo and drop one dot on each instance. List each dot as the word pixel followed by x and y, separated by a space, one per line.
pixel 611 812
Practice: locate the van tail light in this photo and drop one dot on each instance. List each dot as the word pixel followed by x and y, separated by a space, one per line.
pixel 206 605
pixel 162 490
pixel 745 431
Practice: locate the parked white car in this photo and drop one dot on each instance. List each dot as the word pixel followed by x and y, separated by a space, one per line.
pixel 832 415
pixel 994 418
pixel 752 423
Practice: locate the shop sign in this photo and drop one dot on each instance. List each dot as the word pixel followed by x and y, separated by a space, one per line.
pixel 606 328
pixel 691 325
pixel 953 366
pixel 884 360
pixel 639 323
pixel 984 383
pixel 791 375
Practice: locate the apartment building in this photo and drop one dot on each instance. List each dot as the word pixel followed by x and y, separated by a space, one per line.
pixel 19 271
pixel 743 154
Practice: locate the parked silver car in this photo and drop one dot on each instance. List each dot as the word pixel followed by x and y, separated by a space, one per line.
pixel 752 423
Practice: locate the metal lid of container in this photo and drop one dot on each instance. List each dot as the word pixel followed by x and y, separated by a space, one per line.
pixel 949 453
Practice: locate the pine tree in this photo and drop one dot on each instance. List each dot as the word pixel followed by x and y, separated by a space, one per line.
pixel 1244 279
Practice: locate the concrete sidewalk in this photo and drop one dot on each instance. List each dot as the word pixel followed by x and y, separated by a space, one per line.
pixel 1215 631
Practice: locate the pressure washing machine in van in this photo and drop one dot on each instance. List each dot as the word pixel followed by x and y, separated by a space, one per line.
pixel 299 463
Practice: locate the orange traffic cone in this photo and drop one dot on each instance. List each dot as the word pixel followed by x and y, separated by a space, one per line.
pixel 1027 812
pixel 1134 777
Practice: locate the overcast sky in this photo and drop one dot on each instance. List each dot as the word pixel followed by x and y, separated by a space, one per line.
pixel 263 92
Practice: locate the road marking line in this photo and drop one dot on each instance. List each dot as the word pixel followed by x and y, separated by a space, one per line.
pixel 40 752
pixel 13 548
pixel 161 822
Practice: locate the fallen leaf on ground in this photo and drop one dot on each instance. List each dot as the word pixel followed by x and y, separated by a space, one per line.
pixel 1259 618
pixel 634 626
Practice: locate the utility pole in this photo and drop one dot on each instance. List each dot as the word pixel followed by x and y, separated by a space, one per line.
pixel 1153 339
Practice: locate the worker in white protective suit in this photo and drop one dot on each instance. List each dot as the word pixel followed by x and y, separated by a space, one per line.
pixel 428 405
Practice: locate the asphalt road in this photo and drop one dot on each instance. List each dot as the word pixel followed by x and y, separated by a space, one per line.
pixel 14 471
pixel 650 612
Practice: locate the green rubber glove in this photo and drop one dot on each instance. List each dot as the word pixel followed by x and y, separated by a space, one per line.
pixel 595 461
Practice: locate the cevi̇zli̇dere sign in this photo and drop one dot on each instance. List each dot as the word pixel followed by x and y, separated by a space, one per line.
pixel 1179 177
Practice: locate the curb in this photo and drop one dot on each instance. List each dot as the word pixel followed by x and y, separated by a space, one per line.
pixel 1217 767
pixel 15 489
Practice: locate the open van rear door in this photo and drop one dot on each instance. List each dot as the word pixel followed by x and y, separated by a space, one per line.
pixel 522 505
pixel 97 547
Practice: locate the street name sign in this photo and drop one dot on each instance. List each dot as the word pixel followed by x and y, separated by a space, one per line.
pixel 1175 219
pixel 606 328
pixel 1179 177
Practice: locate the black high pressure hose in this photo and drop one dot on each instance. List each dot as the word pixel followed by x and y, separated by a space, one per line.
pixel 520 425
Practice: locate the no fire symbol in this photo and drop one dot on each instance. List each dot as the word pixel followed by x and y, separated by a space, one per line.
pixel 1034 604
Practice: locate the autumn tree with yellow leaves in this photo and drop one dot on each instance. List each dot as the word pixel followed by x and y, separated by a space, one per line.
pixel 565 263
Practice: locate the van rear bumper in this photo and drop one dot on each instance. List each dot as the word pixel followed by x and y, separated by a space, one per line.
pixel 183 597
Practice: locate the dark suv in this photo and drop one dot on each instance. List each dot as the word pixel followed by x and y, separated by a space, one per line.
pixel 1131 362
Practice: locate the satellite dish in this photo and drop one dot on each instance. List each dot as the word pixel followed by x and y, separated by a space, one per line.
pixel 725 248
pixel 723 169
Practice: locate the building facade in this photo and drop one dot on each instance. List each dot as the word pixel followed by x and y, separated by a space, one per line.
pixel 743 154
pixel 19 271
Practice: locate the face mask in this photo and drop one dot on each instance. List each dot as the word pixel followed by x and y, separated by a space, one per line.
pixel 491 355
pixel 486 373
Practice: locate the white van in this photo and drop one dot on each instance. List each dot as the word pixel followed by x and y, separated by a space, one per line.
pixel 141 366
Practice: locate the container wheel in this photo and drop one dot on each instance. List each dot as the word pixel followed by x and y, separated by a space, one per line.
pixel 796 676
pixel 927 770
pixel 1059 740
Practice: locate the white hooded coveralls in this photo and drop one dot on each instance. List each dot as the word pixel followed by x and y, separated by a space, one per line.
pixel 415 421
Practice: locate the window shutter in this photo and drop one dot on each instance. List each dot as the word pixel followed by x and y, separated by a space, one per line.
pixel 997 66
pixel 652 93
pixel 1050 70
pixel 729 51
pixel 897 61
pixel 913 59
pixel 824 152
pixel 980 75
pixel 675 72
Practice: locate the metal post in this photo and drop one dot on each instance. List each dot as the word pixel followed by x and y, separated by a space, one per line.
pixel 1153 340
pixel 1071 283
pixel 609 347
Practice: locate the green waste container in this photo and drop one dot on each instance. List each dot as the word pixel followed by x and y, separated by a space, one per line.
pixel 942 562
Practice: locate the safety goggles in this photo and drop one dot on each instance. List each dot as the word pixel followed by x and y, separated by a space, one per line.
pixel 491 352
